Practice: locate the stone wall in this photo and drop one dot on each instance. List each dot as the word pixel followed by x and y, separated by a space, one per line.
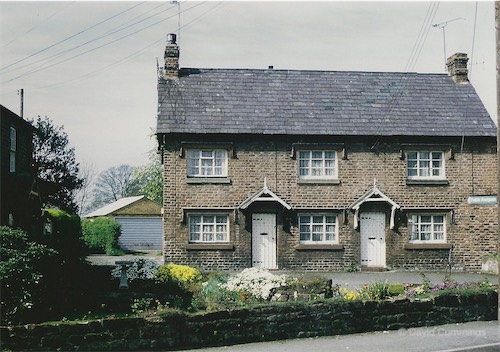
pixel 265 323
pixel 471 230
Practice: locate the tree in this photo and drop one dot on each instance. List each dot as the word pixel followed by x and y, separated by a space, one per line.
pixel 112 184
pixel 127 181
pixel 84 195
pixel 56 165
pixel 148 179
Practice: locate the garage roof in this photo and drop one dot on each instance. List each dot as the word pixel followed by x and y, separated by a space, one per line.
pixel 121 203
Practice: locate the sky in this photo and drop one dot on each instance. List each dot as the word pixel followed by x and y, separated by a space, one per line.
pixel 91 67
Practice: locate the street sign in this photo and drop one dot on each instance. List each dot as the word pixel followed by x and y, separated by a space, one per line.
pixel 482 200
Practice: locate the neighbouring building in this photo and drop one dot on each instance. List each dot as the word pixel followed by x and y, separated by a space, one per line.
pixel 140 219
pixel 20 203
pixel 325 170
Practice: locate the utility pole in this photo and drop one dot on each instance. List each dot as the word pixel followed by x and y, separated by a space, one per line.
pixel 497 25
pixel 21 93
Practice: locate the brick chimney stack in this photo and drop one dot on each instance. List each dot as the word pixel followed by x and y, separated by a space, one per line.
pixel 171 68
pixel 457 67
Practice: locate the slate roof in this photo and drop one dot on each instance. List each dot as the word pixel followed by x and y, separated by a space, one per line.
pixel 297 102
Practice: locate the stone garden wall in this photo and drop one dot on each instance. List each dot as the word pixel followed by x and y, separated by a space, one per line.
pixel 272 322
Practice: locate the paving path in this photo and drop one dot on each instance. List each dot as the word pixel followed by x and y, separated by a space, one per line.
pixel 101 259
pixel 358 279
pixel 352 280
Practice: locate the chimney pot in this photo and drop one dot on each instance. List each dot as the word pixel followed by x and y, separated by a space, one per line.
pixel 457 67
pixel 171 68
pixel 171 38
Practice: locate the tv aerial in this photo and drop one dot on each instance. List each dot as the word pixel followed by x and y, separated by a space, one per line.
pixel 443 25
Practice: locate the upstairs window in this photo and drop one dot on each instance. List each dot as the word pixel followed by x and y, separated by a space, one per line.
pixel 12 149
pixel 317 164
pixel 318 229
pixel 425 165
pixel 208 228
pixel 427 228
pixel 207 163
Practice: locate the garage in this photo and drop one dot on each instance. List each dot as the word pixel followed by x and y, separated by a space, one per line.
pixel 140 219
pixel 140 233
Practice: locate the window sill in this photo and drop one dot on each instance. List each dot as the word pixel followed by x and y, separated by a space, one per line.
pixel 318 182
pixel 427 182
pixel 210 247
pixel 409 246
pixel 319 247
pixel 208 180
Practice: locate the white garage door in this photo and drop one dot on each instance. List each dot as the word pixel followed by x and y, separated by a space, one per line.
pixel 139 233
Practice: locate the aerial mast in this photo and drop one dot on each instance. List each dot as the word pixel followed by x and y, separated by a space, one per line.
pixel 443 25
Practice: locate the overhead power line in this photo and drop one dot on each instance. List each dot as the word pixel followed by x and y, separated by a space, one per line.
pixel 410 66
pixel 134 54
pixel 70 37
pixel 95 48
pixel 107 34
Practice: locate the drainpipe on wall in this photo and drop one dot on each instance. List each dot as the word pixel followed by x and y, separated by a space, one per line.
pixel 497 25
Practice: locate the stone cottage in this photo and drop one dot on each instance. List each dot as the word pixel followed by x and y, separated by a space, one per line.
pixel 325 170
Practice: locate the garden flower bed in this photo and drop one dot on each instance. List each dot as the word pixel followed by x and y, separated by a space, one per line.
pixel 175 307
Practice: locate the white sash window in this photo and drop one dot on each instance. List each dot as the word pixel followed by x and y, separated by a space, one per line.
pixel 427 228
pixel 318 229
pixel 207 163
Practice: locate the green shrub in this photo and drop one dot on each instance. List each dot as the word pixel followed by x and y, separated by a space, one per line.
pixel 216 298
pixel 21 291
pixel 141 305
pixel 101 234
pixel 181 282
pixel 396 289
pixel 65 235
pixel 115 252
pixel 494 256
pixel 183 274
pixel 375 291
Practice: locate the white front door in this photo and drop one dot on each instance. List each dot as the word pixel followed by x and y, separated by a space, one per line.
pixel 264 241
pixel 372 230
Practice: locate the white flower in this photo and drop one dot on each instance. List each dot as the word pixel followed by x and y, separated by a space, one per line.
pixel 257 281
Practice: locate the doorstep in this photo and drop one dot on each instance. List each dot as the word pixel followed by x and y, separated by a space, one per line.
pixel 373 269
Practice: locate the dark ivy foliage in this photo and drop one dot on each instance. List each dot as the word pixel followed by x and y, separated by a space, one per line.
pixel 66 236
pixel 56 164
pixel 43 279
pixel 21 277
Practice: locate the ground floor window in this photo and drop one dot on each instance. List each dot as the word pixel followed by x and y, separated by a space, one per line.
pixel 317 228
pixel 208 228
pixel 424 228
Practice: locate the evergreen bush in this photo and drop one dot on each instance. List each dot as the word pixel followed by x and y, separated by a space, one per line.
pixel 21 291
pixel 101 235
pixel 66 286
pixel 65 235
